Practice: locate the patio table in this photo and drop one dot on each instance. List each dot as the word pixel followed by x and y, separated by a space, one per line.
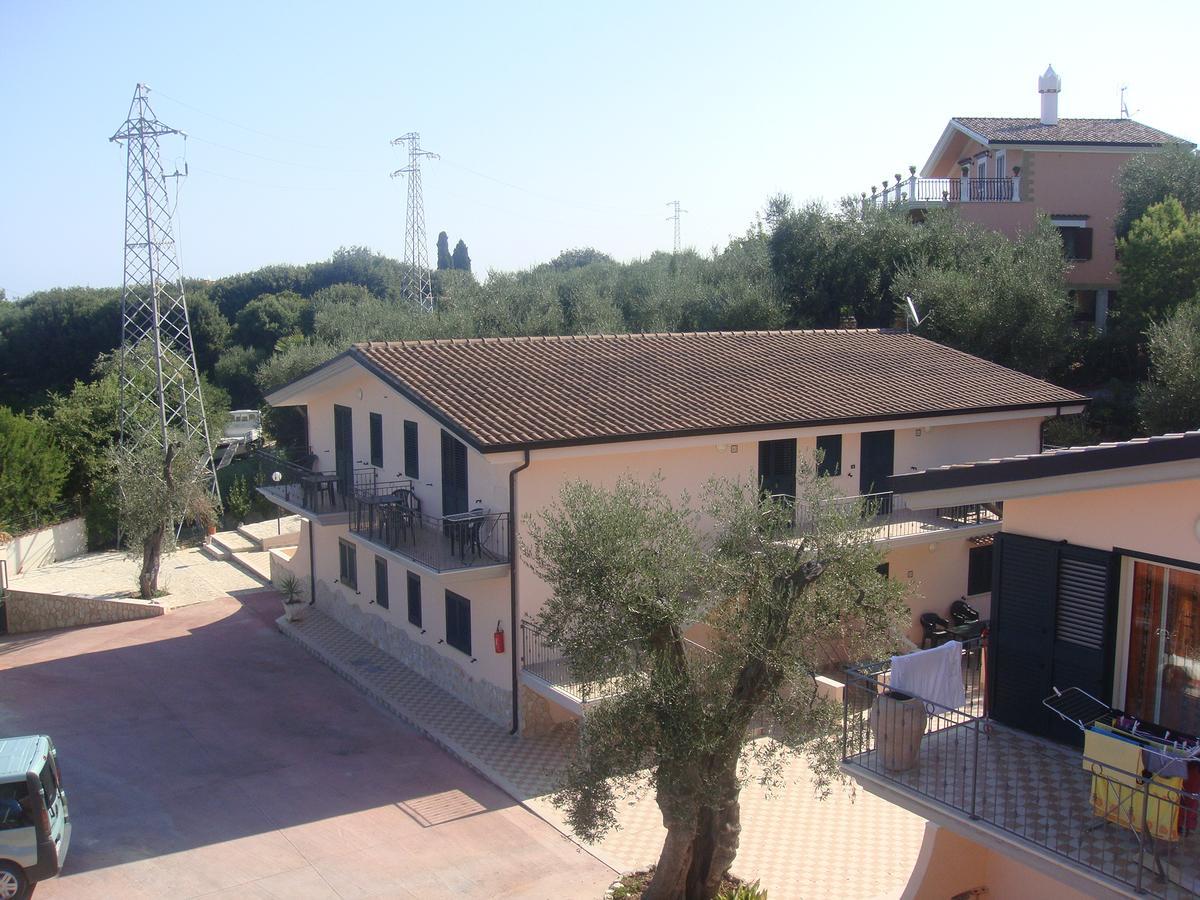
pixel 316 485
pixel 464 529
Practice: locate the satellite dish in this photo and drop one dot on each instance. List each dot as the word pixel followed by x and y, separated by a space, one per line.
pixel 912 315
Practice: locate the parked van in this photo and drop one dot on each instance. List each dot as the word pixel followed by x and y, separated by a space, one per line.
pixel 35 826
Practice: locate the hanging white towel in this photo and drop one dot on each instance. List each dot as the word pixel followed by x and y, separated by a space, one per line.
pixel 934 676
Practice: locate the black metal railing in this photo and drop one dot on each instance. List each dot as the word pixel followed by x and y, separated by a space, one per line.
pixel 389 514
pixel 888 517
pixel 314 491
pixel 991 189
pixel 543 660
pixel 1136 830
pixel 39 519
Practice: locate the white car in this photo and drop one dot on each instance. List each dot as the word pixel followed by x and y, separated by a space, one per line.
pixel 244 426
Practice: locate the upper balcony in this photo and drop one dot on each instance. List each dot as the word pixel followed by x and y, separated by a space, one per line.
pixel 886 518
pixel 917 191
pixel 1076 818
pixel 323 497
pixel 388 514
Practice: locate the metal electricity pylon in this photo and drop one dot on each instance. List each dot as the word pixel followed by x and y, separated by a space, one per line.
pixel 675 217
pixel 160 386
pixel 416 286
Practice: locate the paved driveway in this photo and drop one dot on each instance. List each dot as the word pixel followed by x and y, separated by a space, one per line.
pixel 204 754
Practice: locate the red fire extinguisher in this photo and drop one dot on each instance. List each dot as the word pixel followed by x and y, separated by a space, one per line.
pixel 498 637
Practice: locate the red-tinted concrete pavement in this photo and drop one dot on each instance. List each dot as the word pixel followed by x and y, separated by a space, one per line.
pixel 204 754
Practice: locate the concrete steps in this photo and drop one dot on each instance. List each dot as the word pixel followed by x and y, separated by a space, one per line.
pixel 272 533
pixel 245 553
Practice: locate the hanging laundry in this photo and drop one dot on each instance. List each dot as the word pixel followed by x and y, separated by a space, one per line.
pixel 934 676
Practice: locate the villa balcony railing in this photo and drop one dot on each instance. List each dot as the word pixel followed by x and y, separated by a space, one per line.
pixel 887 517
pixel 389 514
pixel 545 662
pixel 309 492
pixel 977 776
pixel 924 191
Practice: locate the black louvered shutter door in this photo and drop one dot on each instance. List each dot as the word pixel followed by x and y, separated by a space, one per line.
pixel 1082 646
pixel 1022 641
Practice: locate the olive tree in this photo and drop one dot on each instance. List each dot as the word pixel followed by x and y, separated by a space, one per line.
pixel 631 573
pixel 158 489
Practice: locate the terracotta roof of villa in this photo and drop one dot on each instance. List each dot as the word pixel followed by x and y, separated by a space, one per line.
pixel 1115 132
pixel 513 393
pixel 1166 448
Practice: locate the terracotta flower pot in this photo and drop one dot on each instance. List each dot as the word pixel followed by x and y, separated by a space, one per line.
pixel 898 723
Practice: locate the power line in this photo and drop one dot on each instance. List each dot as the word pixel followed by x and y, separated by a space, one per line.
pixel 416 285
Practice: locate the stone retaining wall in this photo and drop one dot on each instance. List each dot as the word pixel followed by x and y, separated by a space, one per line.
pixel 28 611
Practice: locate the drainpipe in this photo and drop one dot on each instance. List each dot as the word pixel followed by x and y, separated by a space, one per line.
pixel 512 588
pixel 312 566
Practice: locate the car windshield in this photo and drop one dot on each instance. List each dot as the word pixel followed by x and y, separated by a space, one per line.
pixel 49 784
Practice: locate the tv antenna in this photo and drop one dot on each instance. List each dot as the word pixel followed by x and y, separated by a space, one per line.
pixel 1124 105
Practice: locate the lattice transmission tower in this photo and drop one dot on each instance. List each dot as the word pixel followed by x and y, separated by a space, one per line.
pixel 416 286
pixel 675 218
pixel 160 386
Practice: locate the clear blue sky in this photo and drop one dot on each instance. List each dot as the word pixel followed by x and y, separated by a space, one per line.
pixel 559 124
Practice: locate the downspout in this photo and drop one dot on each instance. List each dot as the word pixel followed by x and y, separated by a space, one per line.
pixel 312 566
pixel 512 589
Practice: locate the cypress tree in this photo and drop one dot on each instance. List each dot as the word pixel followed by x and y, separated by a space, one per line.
pixel 461 259
pixel 444 259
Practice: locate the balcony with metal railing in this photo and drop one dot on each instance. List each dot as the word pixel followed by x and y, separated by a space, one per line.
pixel 389 515
pixel 546 670
pixel 321 496
pixel 917 191
pixel 887 518
pixel 1047 805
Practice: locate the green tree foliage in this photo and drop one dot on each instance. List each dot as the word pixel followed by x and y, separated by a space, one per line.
pixel 33 467
pixel 1151 178
pixel 1159 265
pixel 155 491
pixel 51 338
pixel 1170 400
pixel 211 331
pixel 236 372
pixel 444 260
pixel 1002 299
pixel 461 259
pixel 237 499
pixel 631 572
pixel 269 317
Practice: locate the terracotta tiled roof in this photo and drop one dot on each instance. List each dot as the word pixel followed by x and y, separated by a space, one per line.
pixel 1059 461
pixel 1125 132
pixel 519 392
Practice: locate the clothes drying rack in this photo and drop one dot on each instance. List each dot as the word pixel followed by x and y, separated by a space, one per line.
pixel 1081 709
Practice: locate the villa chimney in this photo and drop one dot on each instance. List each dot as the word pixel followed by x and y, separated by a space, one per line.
pixel 1049 86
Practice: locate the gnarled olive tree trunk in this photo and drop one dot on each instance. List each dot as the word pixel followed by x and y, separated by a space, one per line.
pixel 152 544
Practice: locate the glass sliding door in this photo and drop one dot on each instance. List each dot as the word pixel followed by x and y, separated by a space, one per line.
pixel 1162 683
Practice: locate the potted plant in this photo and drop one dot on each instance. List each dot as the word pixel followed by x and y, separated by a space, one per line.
pixel 293 605
pixel 966 170
pixel 1017 171
pixel 898 722
pixel 208 518
pixel 912 170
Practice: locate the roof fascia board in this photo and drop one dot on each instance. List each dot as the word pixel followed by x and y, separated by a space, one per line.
pixel 290 393
pixel 1077 146
pixel 696 437
pixel 1155 473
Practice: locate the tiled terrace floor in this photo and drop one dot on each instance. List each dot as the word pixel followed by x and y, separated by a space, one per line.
pixel 848 845
pixel 1039 791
